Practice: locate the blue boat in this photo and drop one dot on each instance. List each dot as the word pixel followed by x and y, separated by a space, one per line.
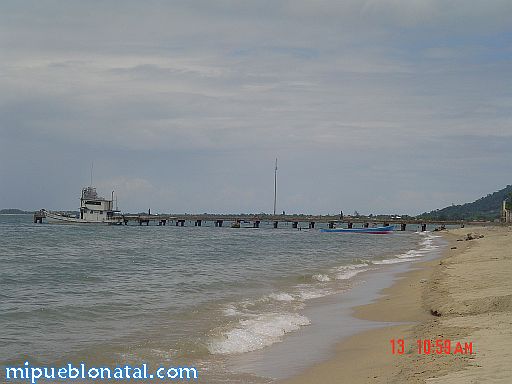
pixel 372 230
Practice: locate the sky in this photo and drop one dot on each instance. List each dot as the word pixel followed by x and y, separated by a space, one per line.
pixel 379 106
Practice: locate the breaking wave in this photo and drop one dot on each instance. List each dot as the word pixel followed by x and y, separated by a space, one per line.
pixel 257 333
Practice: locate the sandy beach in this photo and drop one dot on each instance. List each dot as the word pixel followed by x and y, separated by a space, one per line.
pixel 465 297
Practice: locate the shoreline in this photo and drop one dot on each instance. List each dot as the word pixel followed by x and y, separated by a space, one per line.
pixel 474 304
pixel 284 359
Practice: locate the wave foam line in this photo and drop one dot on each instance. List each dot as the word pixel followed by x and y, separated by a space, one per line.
pixel 257 333
pixel 413 254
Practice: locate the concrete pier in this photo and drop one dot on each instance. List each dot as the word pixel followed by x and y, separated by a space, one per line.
pixel 276 221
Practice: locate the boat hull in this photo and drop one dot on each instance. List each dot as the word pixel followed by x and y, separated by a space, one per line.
pixel 56 218
pixel 375 230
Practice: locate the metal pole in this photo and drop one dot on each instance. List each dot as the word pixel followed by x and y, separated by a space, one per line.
pixel 275 187
pixel 92 167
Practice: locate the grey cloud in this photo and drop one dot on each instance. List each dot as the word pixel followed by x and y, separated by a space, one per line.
pixel 207 93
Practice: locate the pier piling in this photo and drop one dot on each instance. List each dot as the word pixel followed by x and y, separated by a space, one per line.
pixel 39 216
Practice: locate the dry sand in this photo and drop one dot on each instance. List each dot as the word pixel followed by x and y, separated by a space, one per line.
pixel 466 296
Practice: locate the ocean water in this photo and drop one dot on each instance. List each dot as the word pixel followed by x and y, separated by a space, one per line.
pixel 195 296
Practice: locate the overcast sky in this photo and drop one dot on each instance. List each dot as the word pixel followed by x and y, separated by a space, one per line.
pixel 380 106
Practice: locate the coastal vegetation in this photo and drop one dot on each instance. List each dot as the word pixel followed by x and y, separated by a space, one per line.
pixel 485 208
pixel 508 204
pixel 14 211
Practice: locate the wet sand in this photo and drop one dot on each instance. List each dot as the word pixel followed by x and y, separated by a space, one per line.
pixel 465 296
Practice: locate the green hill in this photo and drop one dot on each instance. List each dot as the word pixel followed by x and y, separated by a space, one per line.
pixel 485 208
pixel 13 211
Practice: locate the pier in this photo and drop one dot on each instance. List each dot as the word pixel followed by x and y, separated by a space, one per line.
pixel 306 221
pixel 274 221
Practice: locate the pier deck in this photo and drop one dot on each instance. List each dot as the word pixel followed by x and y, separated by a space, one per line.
pixel 309 221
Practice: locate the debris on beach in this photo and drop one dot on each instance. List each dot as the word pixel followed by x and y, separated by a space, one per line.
pixel 473 236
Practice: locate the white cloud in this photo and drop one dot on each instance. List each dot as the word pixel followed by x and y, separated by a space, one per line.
pixel 322 81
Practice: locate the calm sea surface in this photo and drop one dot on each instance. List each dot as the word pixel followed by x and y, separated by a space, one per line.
pixel 193 295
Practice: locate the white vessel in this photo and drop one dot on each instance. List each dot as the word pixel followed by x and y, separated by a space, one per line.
pixel 93 209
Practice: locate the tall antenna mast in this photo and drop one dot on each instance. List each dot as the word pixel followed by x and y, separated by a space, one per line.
pixel 275 187
pixel 92 167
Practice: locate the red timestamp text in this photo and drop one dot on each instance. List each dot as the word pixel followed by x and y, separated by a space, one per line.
pixel 433 347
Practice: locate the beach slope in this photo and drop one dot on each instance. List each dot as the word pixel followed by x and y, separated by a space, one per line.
pixel 464 297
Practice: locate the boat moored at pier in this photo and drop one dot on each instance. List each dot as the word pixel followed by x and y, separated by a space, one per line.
pixel 93 209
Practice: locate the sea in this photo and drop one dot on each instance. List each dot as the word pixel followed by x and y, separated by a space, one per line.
pixel 181 296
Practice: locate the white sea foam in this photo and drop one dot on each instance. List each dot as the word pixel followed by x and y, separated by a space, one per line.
pixel 250 303
pixel 345 272
pixel 348 274
pixel 308 292
pixel 427 247
pixel 257 333
pixel 390 261
pixel 411 254
pixel 321 278
pixel 281 296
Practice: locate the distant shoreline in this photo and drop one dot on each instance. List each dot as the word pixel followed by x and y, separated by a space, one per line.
pixel 14 211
